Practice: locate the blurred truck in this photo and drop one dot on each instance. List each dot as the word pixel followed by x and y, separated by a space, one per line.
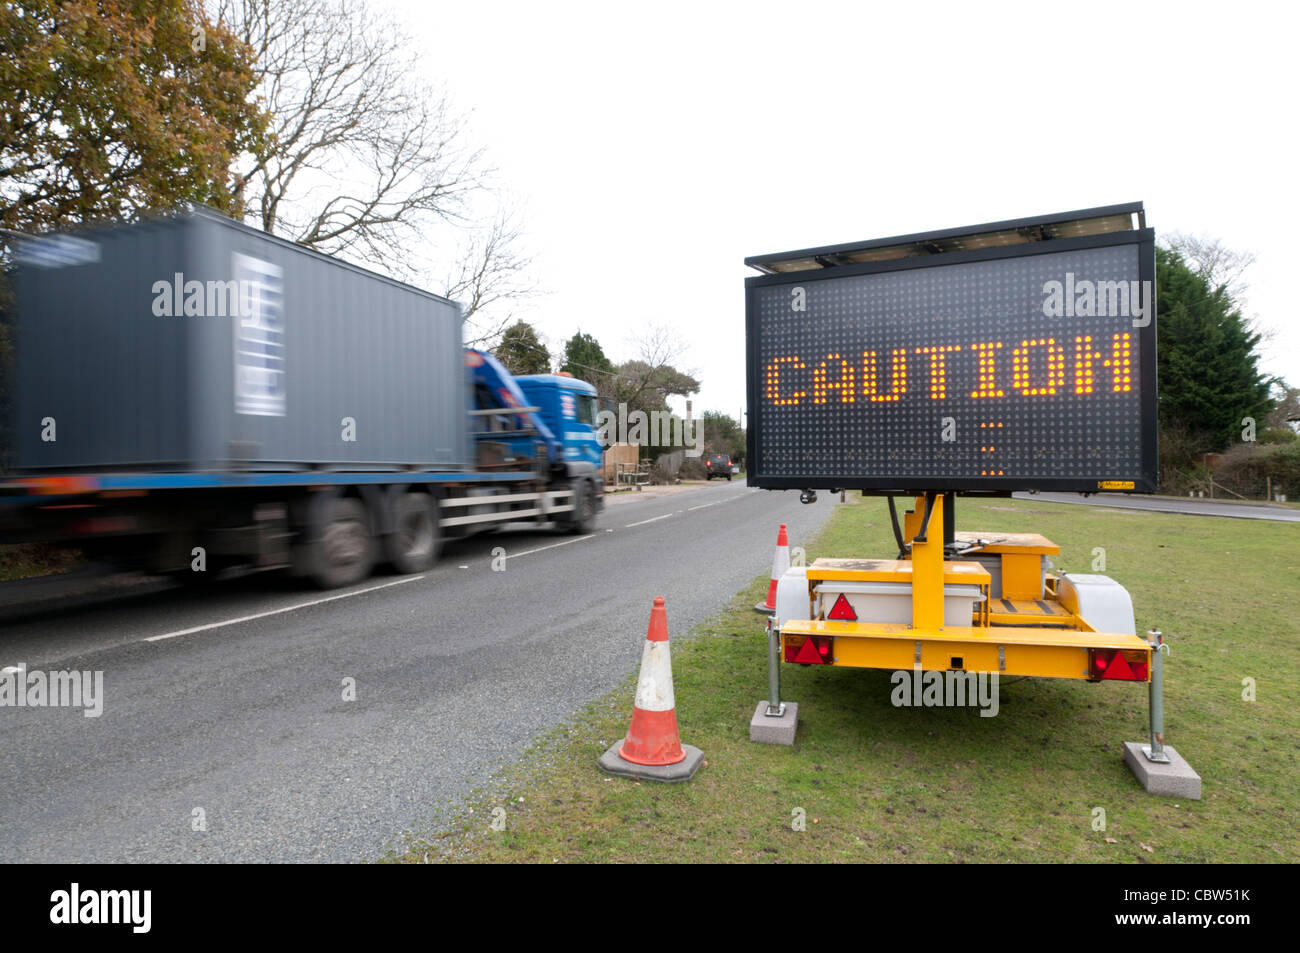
pixel 193 394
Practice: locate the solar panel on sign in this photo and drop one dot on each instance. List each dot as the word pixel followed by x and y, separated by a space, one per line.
pixel 1007 367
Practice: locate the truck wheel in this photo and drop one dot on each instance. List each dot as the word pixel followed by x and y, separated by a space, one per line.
pixel 584 509
pixel 413 544
pixel 344 553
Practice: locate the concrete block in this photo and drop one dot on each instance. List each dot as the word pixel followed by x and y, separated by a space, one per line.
pixel 1175 779
pixel 774 731
pixel 681 771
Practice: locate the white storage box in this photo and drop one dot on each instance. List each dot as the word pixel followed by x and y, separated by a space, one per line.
pixel 892 601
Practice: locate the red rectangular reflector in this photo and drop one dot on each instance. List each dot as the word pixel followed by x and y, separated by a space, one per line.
pixel 1117 664
pixel 813 650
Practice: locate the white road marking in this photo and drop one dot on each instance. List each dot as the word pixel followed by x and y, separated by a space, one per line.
pixel 529 552
pixel 730 499
pixel 650 520
pixel 263 615
pixel 386 585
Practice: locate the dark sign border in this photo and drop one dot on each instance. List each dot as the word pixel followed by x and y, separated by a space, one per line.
pixel 1145 482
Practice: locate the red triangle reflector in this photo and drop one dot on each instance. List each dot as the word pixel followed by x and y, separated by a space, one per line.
pixel 842 610
pixel 1119 668
pixel 808 654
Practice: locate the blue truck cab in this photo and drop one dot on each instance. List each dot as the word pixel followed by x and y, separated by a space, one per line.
pixel 542 422
pixel 560 434
pixel 569 406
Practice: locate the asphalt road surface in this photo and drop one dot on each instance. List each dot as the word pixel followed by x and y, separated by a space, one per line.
pixel 230 701
pixel 1173 504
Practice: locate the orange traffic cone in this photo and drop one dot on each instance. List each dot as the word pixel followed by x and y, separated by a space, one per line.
pixel 652 737
pixel 780 563
pixel 653 749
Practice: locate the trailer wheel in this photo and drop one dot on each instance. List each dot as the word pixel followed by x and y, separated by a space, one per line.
pixel 584 509
pixel 344 553
pixel 413 544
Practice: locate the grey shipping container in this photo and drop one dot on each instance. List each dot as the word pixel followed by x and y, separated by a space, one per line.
pixel 196 343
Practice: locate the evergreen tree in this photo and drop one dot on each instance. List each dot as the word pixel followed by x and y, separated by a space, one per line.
pixel 1209 379
pixel 585 359
pixel 722 434
pixel 521 351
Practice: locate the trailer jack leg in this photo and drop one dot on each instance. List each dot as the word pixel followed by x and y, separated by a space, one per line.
pixel 774 721
pixel 1155 751
pixel 775 707
pixel 1158 766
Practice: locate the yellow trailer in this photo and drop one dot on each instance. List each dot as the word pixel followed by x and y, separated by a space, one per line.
pixel 991 359
pixel 965 603
pixel 1029 624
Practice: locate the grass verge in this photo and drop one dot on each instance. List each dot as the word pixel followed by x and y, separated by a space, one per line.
pixel 878 783
pixel 27 560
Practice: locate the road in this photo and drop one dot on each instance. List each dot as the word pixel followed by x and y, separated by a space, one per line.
pixel 230 701
pixel 1172 504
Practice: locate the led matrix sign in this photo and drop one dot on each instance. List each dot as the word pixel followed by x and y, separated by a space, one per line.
pixel 1013 366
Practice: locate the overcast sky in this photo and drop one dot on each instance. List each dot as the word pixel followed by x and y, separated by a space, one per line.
pixel 654 146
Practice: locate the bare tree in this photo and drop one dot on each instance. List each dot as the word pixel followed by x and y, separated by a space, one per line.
pixel 1222 267
pixel 488 278
pixel 1224 270
pixel 363 159
pixel 658 344
pixel 648 380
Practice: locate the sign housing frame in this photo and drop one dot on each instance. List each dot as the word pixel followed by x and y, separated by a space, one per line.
pixel 945 247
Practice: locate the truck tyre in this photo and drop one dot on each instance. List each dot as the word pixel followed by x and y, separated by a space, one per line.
pixel 413 544
pixel 344 552
pixel 584 509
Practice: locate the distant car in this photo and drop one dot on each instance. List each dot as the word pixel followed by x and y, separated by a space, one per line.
pixel 717 464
